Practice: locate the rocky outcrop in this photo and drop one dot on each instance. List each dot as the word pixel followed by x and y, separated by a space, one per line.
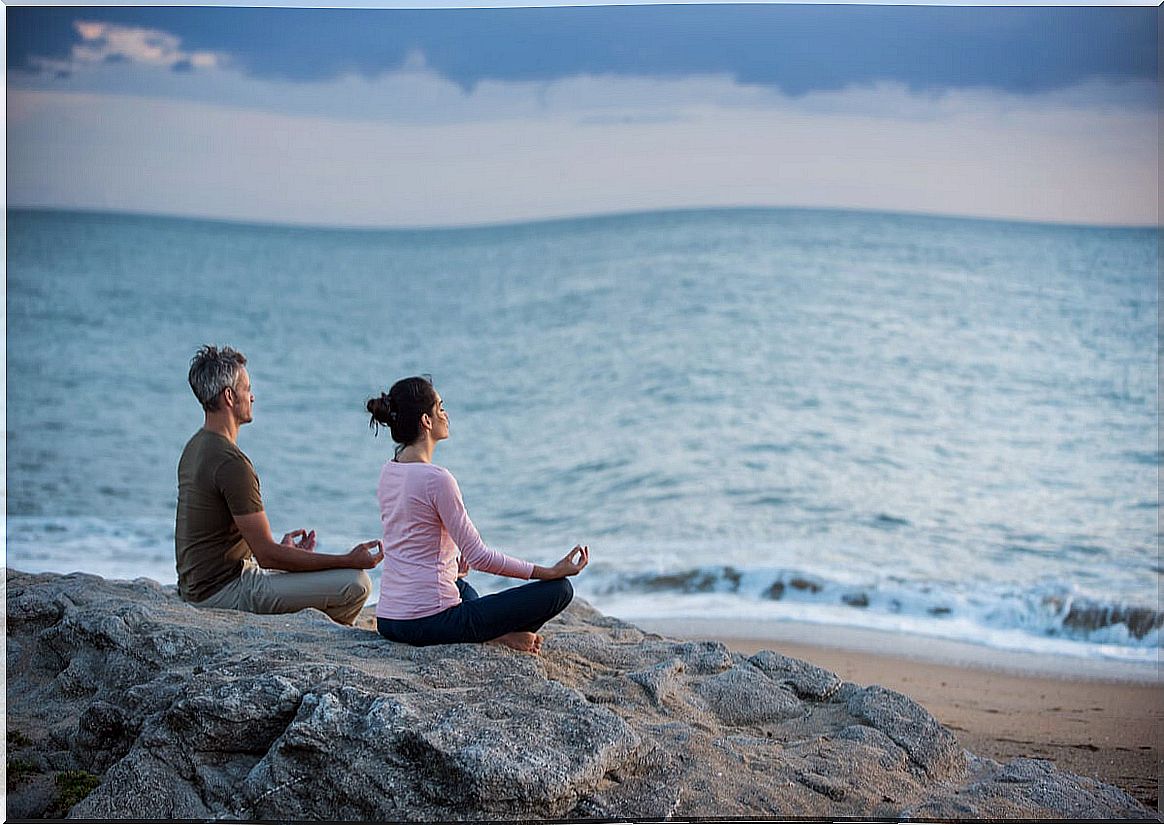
pixel 179 713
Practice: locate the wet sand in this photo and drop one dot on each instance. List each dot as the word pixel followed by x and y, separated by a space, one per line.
pixel 1106 723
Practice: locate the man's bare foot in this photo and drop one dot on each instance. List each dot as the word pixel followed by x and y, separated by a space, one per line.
pixel 520 640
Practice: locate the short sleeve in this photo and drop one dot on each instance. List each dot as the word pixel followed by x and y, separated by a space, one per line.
pixel 239 485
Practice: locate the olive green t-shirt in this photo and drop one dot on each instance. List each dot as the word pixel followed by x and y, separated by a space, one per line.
pixel 216 482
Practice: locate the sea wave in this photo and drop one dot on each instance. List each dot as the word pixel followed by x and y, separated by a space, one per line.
pixel 971 611
pixel 1049 616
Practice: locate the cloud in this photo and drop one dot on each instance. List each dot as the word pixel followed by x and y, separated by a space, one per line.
pixel 978 154
pixel 791 48
pixel 415 61
pixel 126 122
pixel 111 43
pixel 416 93
pixel 890 99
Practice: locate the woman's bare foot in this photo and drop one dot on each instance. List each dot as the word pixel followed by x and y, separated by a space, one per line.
pixel 520 640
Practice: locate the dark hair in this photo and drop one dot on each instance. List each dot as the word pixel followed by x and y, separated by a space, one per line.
pixel 401 407
pixel 212 370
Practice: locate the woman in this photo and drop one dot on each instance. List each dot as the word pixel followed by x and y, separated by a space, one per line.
pixel 430 544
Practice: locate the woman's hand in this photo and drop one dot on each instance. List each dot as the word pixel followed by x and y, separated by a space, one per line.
pixel 570 565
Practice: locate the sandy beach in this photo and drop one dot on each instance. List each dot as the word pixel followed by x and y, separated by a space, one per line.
pixel 1106 723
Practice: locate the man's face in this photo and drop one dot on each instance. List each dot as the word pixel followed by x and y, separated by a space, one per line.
pixel 244 399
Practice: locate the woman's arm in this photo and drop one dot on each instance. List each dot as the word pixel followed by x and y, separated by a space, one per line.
pixel 446 497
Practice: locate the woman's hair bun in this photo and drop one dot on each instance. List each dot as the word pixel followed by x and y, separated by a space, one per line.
pixel 400 409
pixel 381 410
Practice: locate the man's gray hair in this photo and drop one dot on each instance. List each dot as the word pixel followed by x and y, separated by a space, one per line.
pixel 212 370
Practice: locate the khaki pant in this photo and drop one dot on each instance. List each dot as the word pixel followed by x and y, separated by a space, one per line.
pixel 339 593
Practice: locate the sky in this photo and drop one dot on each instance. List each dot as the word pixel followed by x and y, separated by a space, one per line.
pixel 438 117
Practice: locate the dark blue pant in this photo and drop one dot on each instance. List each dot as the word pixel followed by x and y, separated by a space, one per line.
pixel 481 618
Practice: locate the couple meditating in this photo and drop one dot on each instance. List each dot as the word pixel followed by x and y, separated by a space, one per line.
pixel 228 558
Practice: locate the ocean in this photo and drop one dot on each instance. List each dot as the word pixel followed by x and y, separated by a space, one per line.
pixel 939 427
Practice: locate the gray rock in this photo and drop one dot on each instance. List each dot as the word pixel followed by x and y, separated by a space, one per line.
pixel 929 745
pixel 744 696
pixel 889 755
pixel 807 680
pixel 659 680
pixel 142 786
pixel 209 714
pixel 1036 785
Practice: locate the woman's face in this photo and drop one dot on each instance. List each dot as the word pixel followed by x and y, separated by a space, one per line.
pixel 440 420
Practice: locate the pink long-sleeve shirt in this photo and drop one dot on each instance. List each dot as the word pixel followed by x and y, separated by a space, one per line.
pixel 429 541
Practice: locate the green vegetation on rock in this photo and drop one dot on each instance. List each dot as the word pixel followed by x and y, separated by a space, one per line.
pixel 73 786
pixel 19 769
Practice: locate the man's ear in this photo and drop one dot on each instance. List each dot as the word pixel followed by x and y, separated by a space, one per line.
pixel 229 396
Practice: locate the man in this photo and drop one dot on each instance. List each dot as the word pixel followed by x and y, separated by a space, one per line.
pixel 226 555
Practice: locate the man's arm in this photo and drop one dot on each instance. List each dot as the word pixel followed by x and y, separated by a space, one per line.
pixel 275 556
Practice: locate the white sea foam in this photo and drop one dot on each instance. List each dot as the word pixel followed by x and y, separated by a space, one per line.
pixel 962 629
pixel 1036 620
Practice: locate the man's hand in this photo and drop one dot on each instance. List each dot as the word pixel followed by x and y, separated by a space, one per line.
pixel 300 539
pixel 362 557
pixel 295 553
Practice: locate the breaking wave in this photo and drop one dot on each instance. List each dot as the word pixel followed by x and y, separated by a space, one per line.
pixel 971 612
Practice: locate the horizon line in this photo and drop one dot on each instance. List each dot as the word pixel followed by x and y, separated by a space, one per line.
pixel 566 218
pixel 441 5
